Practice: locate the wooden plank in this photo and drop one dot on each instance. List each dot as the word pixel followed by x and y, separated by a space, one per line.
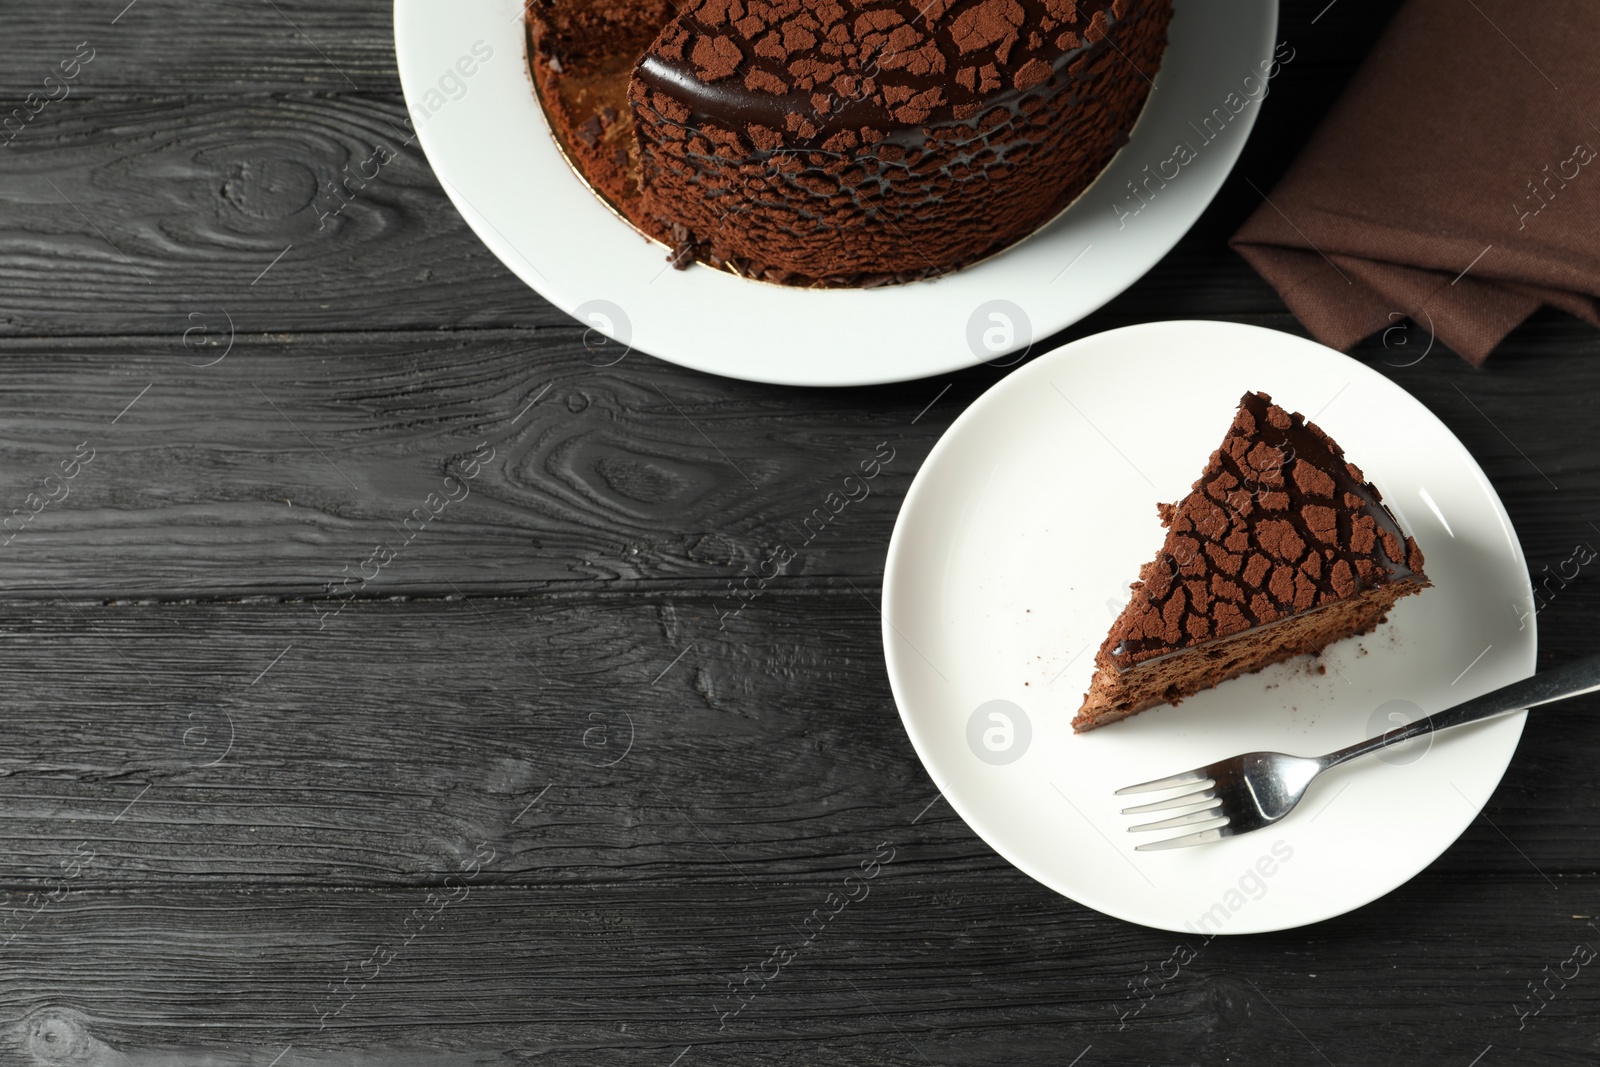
pixel 274 470
pixel 129 216
pixel 587 738
pixel 383 743
pixel 288 461
pixel 226 47
pixel 924 968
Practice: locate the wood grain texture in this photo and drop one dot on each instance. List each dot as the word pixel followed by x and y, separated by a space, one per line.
pixel 236 47
pixel 922 969
pixel 124 216
pixel 530 741
pixel 587 738
pixel 288 460
pixel 275 471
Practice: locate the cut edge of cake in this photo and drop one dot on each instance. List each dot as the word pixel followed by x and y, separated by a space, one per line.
pixel 1281 548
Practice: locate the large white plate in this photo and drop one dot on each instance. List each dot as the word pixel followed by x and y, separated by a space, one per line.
pixel 1014 551
pixel 491 148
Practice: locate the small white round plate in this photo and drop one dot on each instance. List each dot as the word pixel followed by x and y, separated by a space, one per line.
pixel 491 148
pixel 1013 553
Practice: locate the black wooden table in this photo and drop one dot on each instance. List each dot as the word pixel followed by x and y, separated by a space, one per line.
pixel 289 780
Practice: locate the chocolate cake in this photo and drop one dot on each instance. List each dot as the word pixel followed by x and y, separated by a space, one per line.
pixel 1281 548
pixel 843 142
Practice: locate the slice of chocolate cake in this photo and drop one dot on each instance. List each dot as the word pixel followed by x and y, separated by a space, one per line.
pixel 1281 548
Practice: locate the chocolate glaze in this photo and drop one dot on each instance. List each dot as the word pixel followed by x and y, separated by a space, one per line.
pixel 1278 495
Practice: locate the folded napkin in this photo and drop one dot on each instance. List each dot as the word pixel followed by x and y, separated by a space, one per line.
pixel 1456 182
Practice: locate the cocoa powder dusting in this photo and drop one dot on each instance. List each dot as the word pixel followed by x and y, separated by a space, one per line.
pixel 1279 523
pixel 884 140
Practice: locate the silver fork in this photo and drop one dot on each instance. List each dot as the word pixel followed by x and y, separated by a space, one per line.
pixel 1257 789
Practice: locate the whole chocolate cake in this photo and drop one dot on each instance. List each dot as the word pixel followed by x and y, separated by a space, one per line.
pixel 843 142
pixel 1281 548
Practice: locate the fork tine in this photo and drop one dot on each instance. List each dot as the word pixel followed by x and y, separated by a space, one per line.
pixel 1176 802
pixel 1211 811
pixel 1186 778
pixel 1202 838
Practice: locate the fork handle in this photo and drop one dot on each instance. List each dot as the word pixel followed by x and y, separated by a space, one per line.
pixel 1573 679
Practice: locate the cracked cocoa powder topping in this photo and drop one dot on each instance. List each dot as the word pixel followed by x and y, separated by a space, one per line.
pixel 837 73
pixel 845 142
pixel 860 141
pixel 1280 523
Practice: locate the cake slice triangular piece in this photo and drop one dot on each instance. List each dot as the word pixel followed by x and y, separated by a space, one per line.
pixel 1281 548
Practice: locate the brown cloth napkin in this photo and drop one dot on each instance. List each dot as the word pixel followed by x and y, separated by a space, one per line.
pixel 1456 182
